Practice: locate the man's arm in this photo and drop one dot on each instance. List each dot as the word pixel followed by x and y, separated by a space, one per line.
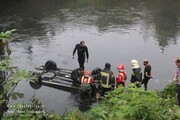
pixel 146 73
pixel 74 51
pixel 87 54
pixel 175 77
pixel 125 76
pixel 112 80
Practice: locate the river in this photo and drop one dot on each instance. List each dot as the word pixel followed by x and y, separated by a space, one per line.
pixel 115 31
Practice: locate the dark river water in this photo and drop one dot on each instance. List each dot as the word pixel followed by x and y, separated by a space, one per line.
pixel 115 31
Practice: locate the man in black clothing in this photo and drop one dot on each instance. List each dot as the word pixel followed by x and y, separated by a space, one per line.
pixel 81 51
pixel 76 75
pixel 147 73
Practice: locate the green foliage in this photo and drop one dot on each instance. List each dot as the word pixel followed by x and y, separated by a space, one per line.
pixel 13 79
pixel 20 75
pixel 176 112
pixel 169 91
pixel 9 76
pixel 135 104
pixel 75 115
pixel 4 64
pixel 51 116
pixel 6 37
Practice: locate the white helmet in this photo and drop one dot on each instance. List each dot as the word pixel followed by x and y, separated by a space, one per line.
pixel 134 63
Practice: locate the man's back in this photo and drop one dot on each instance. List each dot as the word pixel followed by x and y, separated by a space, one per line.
pixel 107 78
pixel 148 70
pixel 137 75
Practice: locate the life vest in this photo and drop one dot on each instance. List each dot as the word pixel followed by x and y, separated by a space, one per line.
pixel 105 80
pixel 86 79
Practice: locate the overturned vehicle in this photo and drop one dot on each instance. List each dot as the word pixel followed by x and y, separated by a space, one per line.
pixel 68 80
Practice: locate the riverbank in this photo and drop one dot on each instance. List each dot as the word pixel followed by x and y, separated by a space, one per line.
pixel 124 104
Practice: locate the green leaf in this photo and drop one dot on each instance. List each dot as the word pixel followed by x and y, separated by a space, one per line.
pixel 5 37
pixel 4 64
pixel 14 97
pixel 20 95
pixel 177 113
pixel 2 102
pixel 7 86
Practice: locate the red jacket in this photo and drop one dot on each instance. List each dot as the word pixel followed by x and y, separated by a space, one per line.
pixel 121 78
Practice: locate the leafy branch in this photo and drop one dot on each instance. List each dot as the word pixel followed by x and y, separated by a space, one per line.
pixel 6 37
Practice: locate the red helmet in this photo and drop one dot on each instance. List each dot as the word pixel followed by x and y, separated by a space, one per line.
pixel 120 67
pixel 87 72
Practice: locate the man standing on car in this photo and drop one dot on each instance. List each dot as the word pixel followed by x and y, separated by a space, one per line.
pixel 82 51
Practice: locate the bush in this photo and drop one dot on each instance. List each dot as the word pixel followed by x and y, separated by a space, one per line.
pixel 134 104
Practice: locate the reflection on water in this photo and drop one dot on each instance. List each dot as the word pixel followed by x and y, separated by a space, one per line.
pixel 166 20
pixel 116 15
pixel 115 31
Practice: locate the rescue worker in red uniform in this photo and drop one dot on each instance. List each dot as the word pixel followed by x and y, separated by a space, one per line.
pixel 121 77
